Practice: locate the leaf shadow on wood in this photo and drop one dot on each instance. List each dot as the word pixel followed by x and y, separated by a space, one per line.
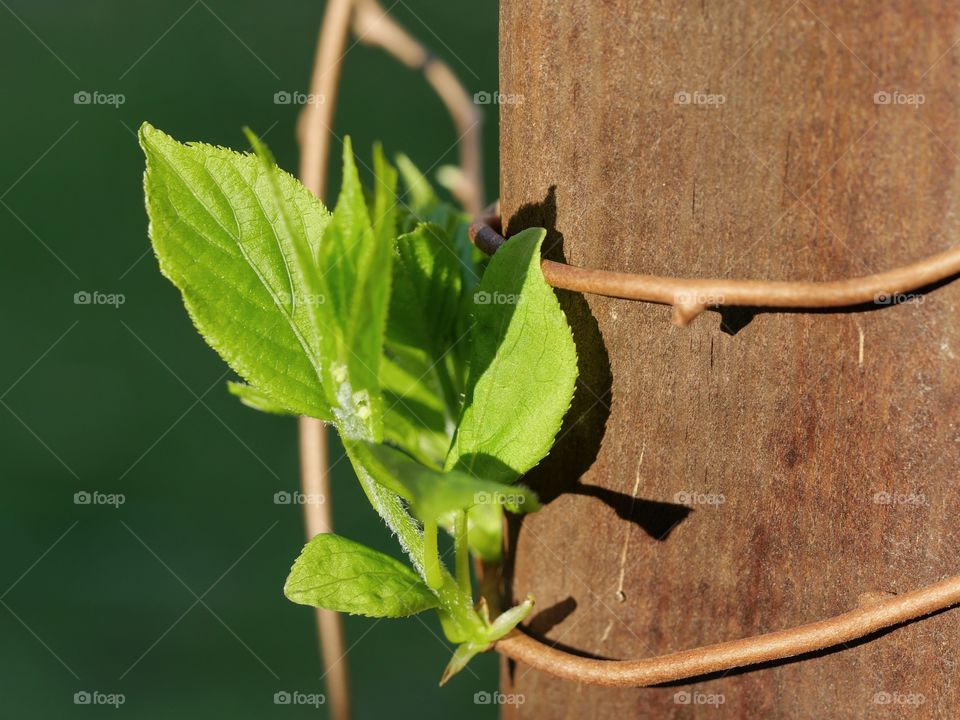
pixel 657 519
pixel 545 620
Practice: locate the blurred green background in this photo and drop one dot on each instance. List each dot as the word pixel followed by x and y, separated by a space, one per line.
pixel 97 398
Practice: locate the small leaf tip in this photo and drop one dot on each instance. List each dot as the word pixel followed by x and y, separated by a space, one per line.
pixel 146 133
pixel 259 147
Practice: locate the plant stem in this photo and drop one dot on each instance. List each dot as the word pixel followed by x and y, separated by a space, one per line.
pixel 431 556
pixel 317 117
pixel 463 553
pixel 315 150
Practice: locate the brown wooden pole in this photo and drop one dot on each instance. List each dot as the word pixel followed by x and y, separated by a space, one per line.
pixel 819 451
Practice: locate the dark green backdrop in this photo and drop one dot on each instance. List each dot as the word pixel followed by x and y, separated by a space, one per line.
pixel 97 398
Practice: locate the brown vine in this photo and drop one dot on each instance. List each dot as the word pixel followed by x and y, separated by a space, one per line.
pixel 870 617
pixel 690 297
pixel 314 137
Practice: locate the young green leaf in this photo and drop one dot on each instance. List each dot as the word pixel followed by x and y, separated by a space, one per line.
pixel 432 493
pixel 423 200
pixel 506 621
pixel 426 290
pixel 254 398
pixel 420 369
pixel 384 209
pixel 218 227
pixel 463 654
pixel 415 417
pixel 338 574
pixel 523 367
pixel 425 206
pixel 354 261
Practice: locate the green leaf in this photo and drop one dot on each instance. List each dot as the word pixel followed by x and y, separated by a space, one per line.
pixel 523 367
pixel 415 416
pixel 338 574
pixel 426 290
pixel 431 492
pixel 508 620
pixel 287 296
pixel 425 206
pixel 235 235
pixel 254 398
pixel 354 263
pixel 422 370
pixel 384 210
pixel 423 199
pixel 464 653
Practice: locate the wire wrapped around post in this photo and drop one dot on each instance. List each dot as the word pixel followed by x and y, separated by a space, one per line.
pixel 690 297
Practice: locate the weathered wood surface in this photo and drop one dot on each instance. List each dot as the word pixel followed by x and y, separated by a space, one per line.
pixel 797 420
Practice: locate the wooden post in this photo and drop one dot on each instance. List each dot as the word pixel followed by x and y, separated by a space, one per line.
pixel 756 471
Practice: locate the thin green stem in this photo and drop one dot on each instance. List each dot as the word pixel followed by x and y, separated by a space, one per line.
pixel 463 553
pixel 431 556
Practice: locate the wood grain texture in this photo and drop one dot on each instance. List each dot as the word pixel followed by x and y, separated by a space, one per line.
pixel 797 421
